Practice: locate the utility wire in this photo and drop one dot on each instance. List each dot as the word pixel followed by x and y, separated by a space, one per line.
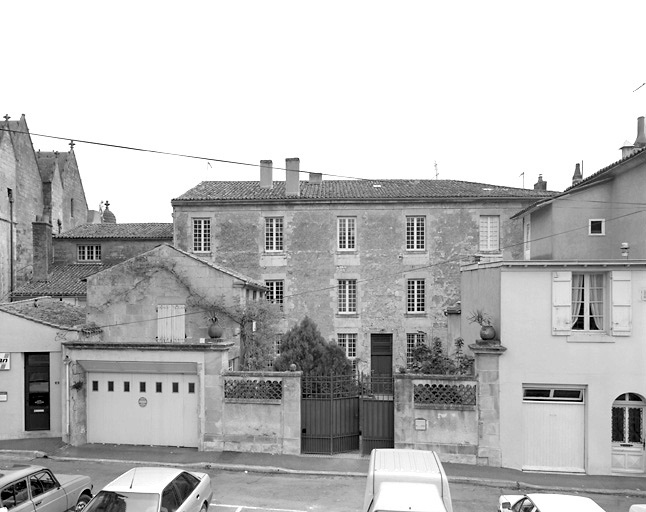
pixel 393 274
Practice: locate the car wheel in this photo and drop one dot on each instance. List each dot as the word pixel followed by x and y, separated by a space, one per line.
pixel 80 504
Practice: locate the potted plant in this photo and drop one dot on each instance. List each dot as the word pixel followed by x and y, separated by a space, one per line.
pixel 480 317
pixel 214 330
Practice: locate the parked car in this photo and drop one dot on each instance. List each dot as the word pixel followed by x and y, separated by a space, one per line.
pixel 637 507
pixel 25 488
pixel 155 489
pixel 546 503
pixel 406 480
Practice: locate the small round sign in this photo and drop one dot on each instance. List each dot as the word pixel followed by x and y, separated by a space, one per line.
pixel 143 402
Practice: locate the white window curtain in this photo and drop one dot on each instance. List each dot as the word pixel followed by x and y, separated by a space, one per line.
pixel 577 297
pixel 596 301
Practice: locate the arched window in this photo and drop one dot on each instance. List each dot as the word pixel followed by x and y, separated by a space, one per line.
pixel 628 418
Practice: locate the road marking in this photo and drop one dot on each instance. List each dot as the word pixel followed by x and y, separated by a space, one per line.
pixel 239 508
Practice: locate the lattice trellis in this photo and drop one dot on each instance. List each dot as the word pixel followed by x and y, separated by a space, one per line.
pixel 253 389
pixel 445 394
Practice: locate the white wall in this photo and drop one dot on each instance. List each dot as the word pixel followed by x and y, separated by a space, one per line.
pixel 606 368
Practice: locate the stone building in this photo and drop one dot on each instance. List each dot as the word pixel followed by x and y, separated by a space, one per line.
pixel 35 186
pixel 375 263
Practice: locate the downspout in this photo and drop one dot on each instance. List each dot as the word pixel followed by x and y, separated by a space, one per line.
pixel 10 194
pixel 67 361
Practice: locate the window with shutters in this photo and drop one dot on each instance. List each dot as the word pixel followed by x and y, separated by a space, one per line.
pixel 415 233
pixel 489 233
pixel 591 302
pixel 201 235
pixel 171 323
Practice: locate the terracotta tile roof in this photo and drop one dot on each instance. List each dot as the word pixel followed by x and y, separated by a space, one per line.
pixel 47 311
pixel 63 281
pixel 121 231
pixel 358 190
pixel 600 174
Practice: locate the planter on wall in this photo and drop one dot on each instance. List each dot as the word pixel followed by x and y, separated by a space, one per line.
pixel 487 332
pixel 215 331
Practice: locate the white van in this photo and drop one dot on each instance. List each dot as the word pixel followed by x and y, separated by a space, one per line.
pixel 406 480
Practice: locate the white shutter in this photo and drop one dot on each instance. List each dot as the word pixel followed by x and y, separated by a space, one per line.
pixel 170 323
pixel 620 293
pixel 163 323
pixel 177 323
pixel 561 303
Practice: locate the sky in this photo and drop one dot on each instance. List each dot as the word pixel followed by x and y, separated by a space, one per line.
pixel 492 92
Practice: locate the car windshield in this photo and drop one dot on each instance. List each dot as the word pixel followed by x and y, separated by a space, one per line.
pixel 106 501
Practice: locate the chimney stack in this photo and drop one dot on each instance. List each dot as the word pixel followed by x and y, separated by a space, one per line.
pixel 316 178
pixel 627 149
pixel 266 168
pixel 577 177
pixel 292 178
pixel 540 184
pixel 42 238
pixel 640 141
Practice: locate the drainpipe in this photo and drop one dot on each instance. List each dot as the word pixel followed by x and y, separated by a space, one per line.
pixel 10 194
pixel 67 361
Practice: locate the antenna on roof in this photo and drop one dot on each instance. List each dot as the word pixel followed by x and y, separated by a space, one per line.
pixel 437 173
pixel 523 175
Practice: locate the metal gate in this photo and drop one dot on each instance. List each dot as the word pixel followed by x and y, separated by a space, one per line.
pixel 341 413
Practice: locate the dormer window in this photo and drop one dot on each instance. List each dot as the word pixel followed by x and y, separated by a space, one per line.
pixel 87 253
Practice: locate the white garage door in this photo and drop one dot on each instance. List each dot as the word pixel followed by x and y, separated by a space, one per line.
pixel 142 409
pixel 553 430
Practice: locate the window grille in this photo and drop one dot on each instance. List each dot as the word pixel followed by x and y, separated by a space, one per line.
pixel 415 233
pixel 201 235
pixel 416 292
pixel 347 295
pixel 445 394
pixel 273 234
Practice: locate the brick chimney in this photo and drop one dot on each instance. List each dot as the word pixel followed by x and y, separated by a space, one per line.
pixel 316 178
pixel 266 168
pixel 540 184
pixel 577 177
pixel 640 141
pixel 292 178
pixel 42 238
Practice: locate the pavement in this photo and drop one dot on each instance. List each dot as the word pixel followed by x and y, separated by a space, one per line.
pixel 349 465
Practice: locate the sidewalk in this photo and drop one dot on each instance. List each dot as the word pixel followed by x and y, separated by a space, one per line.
pixel 351 465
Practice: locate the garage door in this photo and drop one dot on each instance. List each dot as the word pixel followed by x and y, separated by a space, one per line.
pixel 553 430
pixel 142 409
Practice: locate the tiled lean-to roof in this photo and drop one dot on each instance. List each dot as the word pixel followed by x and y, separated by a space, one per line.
pixel 362 190
pixel 139 231
pixel 62 281
pixel 50 312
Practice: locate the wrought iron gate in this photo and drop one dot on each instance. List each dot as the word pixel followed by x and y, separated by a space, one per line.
pixel 343 413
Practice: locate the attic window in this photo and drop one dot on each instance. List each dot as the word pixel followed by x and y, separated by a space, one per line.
pixel 597 227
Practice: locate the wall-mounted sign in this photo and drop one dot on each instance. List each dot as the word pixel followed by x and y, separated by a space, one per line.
pixel 420 424
pixel 5 361
pixel 143 402
pixel 3 396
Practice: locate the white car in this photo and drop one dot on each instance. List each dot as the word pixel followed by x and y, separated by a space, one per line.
pixel 546 503
pixel 155 489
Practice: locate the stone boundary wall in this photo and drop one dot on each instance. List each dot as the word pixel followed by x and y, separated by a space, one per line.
pixel 262 412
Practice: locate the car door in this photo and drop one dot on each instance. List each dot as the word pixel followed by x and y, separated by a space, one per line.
pixel 186 487
pixel 46 493
pixel 15 497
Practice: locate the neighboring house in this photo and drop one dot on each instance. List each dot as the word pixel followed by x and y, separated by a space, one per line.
pixel 34 186
pixel 83 251
pixel 571 317
pixel 31 366
pixel 373 262
pixel 150 376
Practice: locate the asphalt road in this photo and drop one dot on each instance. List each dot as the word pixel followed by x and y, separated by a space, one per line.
pixel 265 492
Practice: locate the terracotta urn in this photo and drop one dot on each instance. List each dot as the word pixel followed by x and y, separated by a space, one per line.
pixel 487 332
pixel 215 331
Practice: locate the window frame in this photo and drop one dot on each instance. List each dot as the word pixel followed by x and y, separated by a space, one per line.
pixel 348 342
pixel 346 234
pixel 275 291
pixel 415 237
pixel 415 295
pixel 274 235
pixel 602 226
pixel 83 253
pixel 347 296
pixel 485 245
pixel 587 302
pixel 202 230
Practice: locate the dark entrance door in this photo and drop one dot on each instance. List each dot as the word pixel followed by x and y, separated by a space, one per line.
pixel 37 399
pixel 381 354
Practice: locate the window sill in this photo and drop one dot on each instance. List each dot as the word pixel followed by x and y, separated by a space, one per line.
pixel 590 337
pixel 414 314
pixel 272 253
pixel 347 315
